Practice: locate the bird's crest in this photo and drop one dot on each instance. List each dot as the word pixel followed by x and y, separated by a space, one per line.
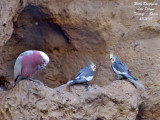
pixel 111 54
pixel 93 66
pixel 91 62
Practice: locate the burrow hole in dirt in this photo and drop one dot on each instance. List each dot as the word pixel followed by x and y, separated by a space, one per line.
pixel 34 30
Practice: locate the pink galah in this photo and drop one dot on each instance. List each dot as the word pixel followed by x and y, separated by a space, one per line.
pixel 28 63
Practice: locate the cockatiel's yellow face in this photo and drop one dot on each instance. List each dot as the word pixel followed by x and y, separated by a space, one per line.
pixel 93 66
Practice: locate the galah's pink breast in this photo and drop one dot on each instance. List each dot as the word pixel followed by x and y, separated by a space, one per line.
pixel 31 64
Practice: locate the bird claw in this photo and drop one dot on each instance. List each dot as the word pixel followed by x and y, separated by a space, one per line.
pixel 87 86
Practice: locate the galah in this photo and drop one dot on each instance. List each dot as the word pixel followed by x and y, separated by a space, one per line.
pixel 28 63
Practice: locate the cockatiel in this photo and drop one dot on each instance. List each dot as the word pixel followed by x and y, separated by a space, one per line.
pixel 85 75
pixel 121 70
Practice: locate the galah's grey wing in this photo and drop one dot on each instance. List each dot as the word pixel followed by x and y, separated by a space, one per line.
pixel 18 67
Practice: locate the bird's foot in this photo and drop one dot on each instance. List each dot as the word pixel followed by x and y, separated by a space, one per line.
pixel 119 78
pixel 69 88
pixel 87 86
pixel 17 80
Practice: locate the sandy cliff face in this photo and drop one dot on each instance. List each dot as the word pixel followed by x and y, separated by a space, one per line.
pixel 71 32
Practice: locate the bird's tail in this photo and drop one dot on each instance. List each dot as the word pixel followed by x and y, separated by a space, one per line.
pixel 136 82
pixel 131 76
pixel 71 82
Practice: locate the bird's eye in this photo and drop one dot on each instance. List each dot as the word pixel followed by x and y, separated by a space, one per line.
pixel 113 60
pixel 94 67
pixel 44 61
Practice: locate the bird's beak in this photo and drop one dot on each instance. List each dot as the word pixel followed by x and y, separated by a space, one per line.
pixel 94 68
pixel 42 67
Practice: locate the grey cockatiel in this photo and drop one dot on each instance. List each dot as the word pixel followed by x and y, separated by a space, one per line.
pixel 121 70
pixel 85 75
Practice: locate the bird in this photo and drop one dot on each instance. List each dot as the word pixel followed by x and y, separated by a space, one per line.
pixel 28 63
pixel 85 75
pixel 121 70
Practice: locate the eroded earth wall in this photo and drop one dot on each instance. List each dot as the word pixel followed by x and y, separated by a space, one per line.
pixel 71 32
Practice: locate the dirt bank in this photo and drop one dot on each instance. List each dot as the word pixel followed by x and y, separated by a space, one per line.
pixel 71 32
